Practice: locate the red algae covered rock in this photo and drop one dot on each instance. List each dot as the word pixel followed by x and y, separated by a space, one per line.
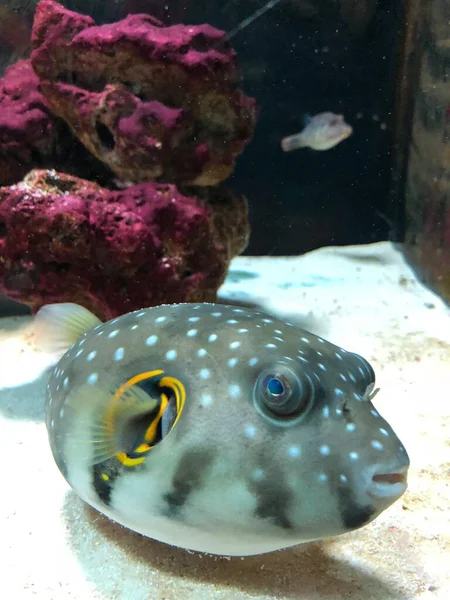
pixel 31 136
pixel 151 102
pixel 66 239
pixel 27 130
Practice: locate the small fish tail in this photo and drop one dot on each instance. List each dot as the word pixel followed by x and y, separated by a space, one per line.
pixel 292 142
pixel 59 326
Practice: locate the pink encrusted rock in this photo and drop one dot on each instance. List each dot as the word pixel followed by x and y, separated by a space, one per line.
pixel 28 133
pixel 66 239
pixel 31 137
pixel 151 102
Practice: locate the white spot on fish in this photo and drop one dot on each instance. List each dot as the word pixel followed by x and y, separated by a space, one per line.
pixel 202 352
pixel 234 345
pixel 92 379
pixel 193 319
pixel 305 340
pixel 326 412
pixel 66 383
pixel 151 341
pixel 322 477
pixel 350 427
pixel 352 377
pixel 61 413
pixel 353 456
pixel 232 362
pixel 321 340
pixel 338 392
pixel 322 367
pixel 91 355
pixel 160 319
pixel 302 359
pixel 134 327
pixel 374 413
pixel 253 361
pixel 271 346
pixel 234 390
pixel 204 373
pixel 192 333
pixel 325 450
pixel 278 338
pixel 257 475
pixel 383 431
pixel 242 330
pixel 140 314
pixel 267 321
pixel 357 397
pixel 232 321
pixel 212 337
pixel 343 478
pixel 343 377
pixel 119 354
pixel 250 431
pixel 337 355
pixel 377 445
pixel 294 451
pixel 206 400
pixel 113 333
pixel 171 355
pixel 216 314
pixel 79 353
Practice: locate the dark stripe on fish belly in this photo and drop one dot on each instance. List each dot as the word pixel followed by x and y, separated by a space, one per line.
pixel 189 477
pixel 274 505
pixel 104 476
pixel 353 515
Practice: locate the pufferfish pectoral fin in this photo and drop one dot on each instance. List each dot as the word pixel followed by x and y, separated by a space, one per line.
pixel 59 326
pixel 108 422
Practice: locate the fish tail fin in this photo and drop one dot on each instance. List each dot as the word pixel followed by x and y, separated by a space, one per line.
pixel 59 326
pixel 103 413
pixel 292 142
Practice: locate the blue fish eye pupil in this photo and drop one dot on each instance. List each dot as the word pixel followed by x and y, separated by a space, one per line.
pixel 275 387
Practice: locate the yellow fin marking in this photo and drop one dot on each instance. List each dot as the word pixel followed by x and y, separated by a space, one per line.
pixel 150 434
pixel 129 462
pixel 180 394
pixel 105 477
pixel 142 448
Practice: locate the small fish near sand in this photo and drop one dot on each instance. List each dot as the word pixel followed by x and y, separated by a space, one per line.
pixel 215 428
pixel 322 132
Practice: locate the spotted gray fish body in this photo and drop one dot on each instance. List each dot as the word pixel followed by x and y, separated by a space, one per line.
pixel 274 440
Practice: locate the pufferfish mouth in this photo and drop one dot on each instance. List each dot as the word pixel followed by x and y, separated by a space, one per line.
pixel 385 485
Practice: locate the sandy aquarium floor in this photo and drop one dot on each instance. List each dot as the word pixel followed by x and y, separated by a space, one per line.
pixel 366 299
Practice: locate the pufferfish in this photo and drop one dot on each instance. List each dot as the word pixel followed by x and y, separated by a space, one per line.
pixel 215 428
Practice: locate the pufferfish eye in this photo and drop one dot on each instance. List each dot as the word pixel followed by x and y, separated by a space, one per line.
pixel 277 391
pixel 282 396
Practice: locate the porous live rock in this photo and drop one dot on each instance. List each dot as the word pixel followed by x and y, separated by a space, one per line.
pixel 32 137
pixel 151 102
pixel 67 239
pixel 28 134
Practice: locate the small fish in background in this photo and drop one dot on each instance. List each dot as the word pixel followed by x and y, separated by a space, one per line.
pixel 215 428
pixel 322 132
